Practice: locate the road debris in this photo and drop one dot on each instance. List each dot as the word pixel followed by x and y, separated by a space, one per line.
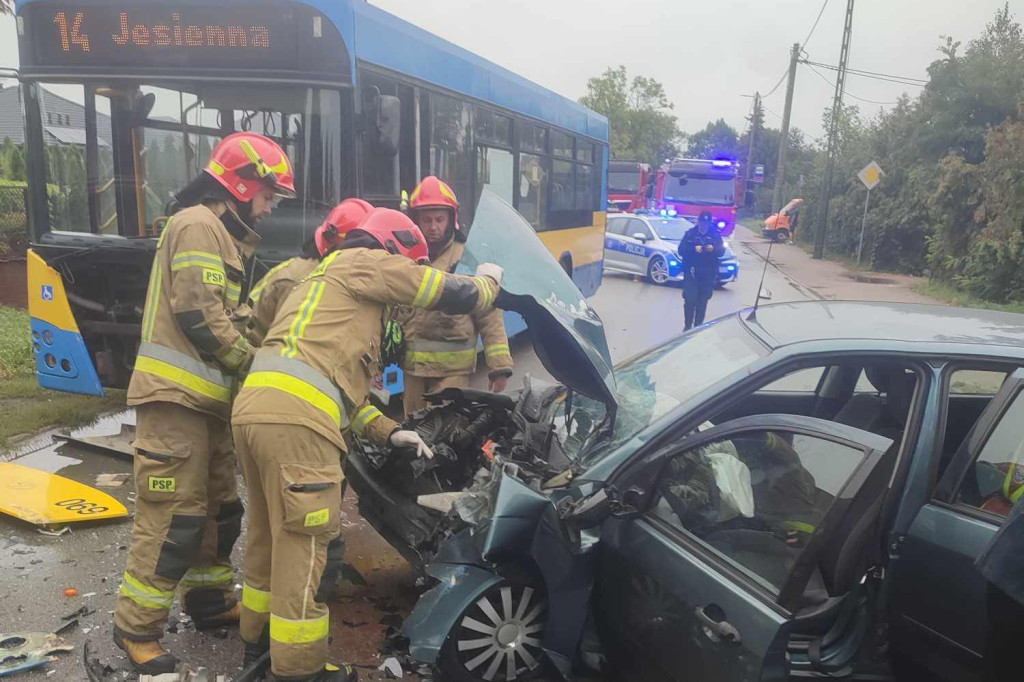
pixel 111 480
pixel 392 669
pixel 23 651
pixel 118 445
pixel 70 592
pixel 43 498
pixel 45 530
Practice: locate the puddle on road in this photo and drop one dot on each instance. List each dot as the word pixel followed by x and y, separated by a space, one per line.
pixel 46 454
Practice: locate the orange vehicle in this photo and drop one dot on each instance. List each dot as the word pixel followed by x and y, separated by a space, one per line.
pixel 781 226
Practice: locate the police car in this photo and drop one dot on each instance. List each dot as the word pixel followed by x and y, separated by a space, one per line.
pixel 646 243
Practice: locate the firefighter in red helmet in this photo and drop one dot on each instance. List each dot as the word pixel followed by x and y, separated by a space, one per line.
pixel 441 350
pixel 270 292
pixel 188 514
pixel 308 387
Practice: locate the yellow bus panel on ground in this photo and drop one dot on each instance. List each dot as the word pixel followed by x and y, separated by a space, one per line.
pixel 41 498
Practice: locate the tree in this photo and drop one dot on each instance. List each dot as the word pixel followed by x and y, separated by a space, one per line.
pixel 641 124
pixel 717 140
pixel 6 7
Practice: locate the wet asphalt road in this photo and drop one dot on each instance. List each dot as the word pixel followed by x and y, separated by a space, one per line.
pixel 35 569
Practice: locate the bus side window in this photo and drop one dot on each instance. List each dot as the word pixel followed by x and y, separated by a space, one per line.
pixel 451 156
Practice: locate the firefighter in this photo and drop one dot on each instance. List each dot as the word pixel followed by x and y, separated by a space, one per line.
pixel 699 251
pixel 307 387
pixel 270 292
pixel 441 348
pixel 188 514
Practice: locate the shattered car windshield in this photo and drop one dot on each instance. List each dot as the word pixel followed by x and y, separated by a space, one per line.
pixel 652 384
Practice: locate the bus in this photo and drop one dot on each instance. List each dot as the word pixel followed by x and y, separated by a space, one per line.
pixel 124 101
pixel 628 185
pixel 688 187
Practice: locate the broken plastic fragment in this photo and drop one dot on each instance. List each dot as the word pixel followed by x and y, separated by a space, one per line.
pixel 28 650
pixel 442 502
pixel 392 668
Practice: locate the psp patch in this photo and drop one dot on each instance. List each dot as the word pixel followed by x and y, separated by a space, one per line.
pixel 213 277
pixel 317 518
pixel 161 484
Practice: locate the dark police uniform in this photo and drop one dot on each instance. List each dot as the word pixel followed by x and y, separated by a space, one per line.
pixel 700 270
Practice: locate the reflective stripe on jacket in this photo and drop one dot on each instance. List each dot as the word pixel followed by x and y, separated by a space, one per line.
pixel 440 345
pixel 327 333
pixel 270 292
pixel 190 347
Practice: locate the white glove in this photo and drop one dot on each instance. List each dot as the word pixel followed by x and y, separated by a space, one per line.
pixel 490 270
pixel 411 439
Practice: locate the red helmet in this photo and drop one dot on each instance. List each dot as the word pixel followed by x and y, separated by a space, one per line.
pixel 342 219
pixel 396 233
pixel 241 161
pixel 432 192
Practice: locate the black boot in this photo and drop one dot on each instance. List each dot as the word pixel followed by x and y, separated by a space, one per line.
pixel 209 609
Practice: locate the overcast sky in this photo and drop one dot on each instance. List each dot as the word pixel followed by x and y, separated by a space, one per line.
pixel 707 53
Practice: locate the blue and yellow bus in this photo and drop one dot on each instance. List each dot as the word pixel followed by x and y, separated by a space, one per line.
pixel 124 101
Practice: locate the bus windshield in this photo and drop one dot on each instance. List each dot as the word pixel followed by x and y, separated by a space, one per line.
pixel 114 155
pixel 624 182
pixel 699 189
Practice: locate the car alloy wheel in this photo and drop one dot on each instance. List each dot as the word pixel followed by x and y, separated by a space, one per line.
pixel 499 636
pixel 657 271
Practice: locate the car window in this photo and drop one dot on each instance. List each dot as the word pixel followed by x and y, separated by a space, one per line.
pixel 970 391
pixel 756 496
pixel 800 381
pixel 616 225
pixel 864 384
pixel 995 482
pixel 975 382
pixel 638 226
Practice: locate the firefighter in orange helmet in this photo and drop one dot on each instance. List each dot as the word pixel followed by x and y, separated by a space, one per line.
pixel 188 515
pixel 441 349
pixel 308 386
pixel 270 292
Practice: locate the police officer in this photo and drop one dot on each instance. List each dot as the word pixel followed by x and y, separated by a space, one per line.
pixel 308 385
pixel 699 251
pixel 440 348
pixel 188 515
pixel 270 292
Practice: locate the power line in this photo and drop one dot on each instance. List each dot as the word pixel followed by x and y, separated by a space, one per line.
pixel 811 32
pixel 769 110
pixel 833 85
pixel 903 80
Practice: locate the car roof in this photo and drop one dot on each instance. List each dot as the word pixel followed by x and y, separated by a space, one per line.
pixel 781 324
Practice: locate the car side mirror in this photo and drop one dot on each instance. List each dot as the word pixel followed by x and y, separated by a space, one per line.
pixel 640 237
pixel 383 116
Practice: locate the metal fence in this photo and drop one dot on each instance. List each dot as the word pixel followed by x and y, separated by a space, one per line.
pixel 13 220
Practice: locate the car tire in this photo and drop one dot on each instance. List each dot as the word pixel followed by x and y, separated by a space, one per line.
pixel 514 613
pixel 657 271
pixel 780 235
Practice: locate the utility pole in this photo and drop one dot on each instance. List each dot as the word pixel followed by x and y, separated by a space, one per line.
pixel 780 170
pixel 833 135
pixel 750 144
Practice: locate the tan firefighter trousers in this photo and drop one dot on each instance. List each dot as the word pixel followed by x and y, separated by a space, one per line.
pixel 293 481
pixel 415 387
pixel 187 519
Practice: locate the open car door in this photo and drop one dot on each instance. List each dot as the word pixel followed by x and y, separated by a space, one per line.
pixel 722 552
pixel 938 615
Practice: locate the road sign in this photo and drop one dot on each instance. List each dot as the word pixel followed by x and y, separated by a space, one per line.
pixel 870 175
pixel 758 174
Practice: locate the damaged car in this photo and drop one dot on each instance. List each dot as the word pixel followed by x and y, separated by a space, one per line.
pixel 794 491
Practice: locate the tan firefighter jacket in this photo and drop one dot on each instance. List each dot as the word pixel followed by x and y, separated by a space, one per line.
pixel 270 292
pixel 315 365
pixel 191 349
pixel 441 345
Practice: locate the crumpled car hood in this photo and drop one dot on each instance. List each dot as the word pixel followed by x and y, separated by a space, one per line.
pixel 567 333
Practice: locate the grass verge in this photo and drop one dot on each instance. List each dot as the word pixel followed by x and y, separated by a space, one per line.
pixel 952 296
pixel 25 407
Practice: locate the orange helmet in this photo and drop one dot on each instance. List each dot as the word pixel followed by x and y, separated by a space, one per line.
pixel 342 219
pixel 433 192
pixel 394 231
pixel 241 161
